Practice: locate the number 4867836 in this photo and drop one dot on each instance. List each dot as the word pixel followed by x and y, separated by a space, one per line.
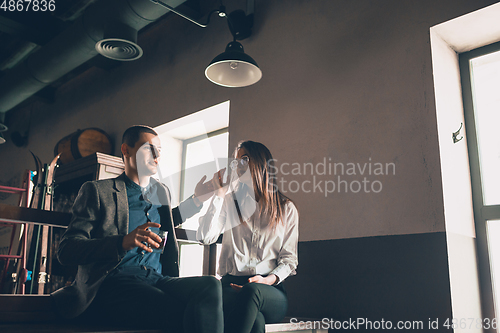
pixel 28 5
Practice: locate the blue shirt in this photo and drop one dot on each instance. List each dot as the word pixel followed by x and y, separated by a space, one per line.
pixel 140 212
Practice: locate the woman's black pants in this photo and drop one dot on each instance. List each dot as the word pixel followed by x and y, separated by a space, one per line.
pixel 256 304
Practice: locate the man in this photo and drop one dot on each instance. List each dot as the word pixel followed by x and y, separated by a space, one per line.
pixel 120 278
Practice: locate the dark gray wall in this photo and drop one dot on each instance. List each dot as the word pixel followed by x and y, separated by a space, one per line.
pixel 391 278
pixel 345 80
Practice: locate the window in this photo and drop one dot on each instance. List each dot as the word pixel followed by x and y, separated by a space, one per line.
pixel 192 147
pixel 201 151
pixel 480 71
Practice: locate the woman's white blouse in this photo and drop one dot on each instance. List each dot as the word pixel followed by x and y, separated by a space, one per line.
pixel 251 247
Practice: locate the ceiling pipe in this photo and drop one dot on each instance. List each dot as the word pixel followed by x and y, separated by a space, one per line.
pixel 73 47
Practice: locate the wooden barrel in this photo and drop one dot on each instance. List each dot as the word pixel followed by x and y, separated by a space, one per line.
pixel 83 143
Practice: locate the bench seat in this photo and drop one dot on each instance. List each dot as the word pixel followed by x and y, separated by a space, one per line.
pixel 34 314
pixel 64 328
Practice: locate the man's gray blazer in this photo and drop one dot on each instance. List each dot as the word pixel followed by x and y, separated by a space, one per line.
pixel 93 240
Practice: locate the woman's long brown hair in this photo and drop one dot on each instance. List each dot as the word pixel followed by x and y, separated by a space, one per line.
pixel 272 201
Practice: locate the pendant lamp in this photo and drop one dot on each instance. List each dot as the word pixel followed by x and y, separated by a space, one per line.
pixel 233 68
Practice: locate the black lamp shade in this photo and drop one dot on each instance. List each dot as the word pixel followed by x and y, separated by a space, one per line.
pixel 233 68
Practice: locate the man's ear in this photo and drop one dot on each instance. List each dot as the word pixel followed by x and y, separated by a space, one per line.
pixel 125 150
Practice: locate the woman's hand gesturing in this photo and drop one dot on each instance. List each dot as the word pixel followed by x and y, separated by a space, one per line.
pixel 220 187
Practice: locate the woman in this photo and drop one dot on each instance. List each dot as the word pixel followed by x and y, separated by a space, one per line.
pixel 259 245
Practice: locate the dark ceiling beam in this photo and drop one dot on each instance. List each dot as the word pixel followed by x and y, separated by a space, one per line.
pixel 73 47
pixel 38 28
pixel 47 95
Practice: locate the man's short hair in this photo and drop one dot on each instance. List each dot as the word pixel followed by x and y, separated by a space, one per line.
pixel 132 134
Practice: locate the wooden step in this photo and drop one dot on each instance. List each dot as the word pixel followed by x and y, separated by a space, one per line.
pixel 289 327
pixel 63 328
pixel 26 309
pixel 68 328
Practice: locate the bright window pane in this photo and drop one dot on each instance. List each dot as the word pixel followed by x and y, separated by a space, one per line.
pixel 191 259
pixel 201 159
pixel 493 230
pixel 219 249
pixel 485 89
